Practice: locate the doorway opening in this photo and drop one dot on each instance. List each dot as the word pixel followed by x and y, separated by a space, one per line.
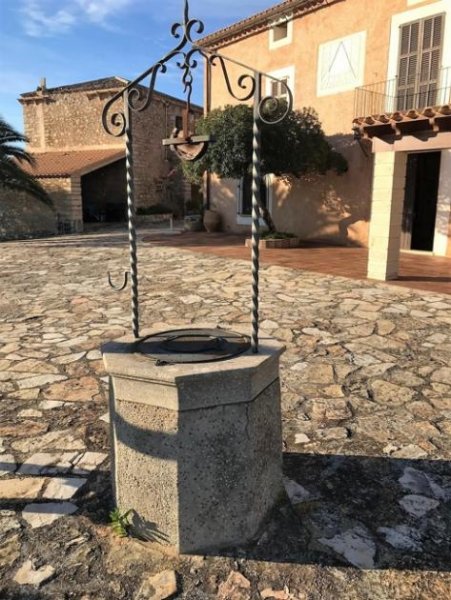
pixel 104 194
pixel 420 202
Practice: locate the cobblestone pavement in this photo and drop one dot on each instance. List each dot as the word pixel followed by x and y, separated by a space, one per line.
pixel 366 382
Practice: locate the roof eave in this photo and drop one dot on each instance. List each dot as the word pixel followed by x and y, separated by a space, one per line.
pixel 261 21
pixel 99 164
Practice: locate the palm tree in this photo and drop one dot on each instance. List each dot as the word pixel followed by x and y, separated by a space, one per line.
pixel 12 176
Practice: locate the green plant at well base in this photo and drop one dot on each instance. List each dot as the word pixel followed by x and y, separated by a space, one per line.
pixel 120 522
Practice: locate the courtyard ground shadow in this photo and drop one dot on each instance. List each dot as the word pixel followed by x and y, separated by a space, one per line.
pixel 368 512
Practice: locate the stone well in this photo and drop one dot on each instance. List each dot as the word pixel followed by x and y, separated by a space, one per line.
pixel 197 448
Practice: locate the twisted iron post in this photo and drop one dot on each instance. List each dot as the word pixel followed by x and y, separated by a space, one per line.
pixel 256 185
pixel 131 217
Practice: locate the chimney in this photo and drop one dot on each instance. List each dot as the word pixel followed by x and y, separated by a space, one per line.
pixel 42 85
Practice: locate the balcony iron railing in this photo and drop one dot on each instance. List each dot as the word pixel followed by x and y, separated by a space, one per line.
pixel 388 97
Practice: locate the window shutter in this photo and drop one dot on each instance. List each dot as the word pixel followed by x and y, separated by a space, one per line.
pixel 430 61
pixel 419 63
pixel 408 64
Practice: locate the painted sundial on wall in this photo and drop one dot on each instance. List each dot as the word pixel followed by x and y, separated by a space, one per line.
pixel 341 64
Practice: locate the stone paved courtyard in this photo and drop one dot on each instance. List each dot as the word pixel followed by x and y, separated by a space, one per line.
pixel 366 391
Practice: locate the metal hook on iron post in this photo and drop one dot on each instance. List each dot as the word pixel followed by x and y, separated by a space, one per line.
pixel 121 287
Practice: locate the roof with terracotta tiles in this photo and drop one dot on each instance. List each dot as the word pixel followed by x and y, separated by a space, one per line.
pixel 72 162
pixel 261 21
pixel 432 118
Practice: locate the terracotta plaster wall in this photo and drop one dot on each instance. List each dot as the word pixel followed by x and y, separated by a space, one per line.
pixel 309 32
pixel 336 208
pixel 324 207
pixel 223 199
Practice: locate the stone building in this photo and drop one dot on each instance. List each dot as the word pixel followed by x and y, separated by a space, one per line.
pixel 381 68
pixel 83 168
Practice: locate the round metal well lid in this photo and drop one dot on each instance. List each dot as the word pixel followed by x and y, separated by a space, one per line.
pixel 183 346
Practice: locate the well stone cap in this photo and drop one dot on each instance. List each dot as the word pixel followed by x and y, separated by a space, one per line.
pixel 238 379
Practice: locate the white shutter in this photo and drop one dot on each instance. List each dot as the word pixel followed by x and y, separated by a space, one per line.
pixel 419 63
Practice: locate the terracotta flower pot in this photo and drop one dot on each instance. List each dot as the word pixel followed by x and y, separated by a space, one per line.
pixel 193 223
pixel 212 221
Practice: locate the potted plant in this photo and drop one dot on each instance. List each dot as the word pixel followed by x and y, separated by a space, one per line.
pixel 276 239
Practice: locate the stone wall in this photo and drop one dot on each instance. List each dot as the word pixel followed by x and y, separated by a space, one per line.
pixel 22 216
pixel 71 120
pixel 59 189
pixel 156 168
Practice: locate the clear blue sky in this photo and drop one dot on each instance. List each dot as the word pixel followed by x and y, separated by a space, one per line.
pixel 68 41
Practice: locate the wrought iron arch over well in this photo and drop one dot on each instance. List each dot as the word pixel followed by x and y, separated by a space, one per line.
pixel 136 97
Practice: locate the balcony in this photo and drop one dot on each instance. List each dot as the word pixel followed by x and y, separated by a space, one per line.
pixel 394 96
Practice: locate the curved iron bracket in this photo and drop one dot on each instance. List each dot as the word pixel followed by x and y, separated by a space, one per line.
pixel 119 288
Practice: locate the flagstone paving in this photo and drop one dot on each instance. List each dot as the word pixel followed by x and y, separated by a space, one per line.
pixel 366 385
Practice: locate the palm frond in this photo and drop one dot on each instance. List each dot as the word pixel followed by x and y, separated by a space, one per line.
pixel 17 152
pixel 13 177
pixel 8 134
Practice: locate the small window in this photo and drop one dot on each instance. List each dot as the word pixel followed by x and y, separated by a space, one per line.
pixel 178 122
pixel 246 194
pixel 279 88
pixel 281 32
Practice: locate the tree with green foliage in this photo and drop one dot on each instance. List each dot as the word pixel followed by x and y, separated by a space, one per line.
pixel 12 176
pixel 297 146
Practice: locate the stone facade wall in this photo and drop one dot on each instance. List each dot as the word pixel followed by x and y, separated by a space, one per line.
pixel 157 179
pixel 22 216
pixel 66 196
pixel 71 120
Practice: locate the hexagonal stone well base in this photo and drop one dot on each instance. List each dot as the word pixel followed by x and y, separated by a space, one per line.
pixel 197 449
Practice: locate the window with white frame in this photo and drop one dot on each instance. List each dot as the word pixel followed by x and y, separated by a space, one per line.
pixel 281 32
pixel 244 197
pixel 341 64
pixel 277 87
